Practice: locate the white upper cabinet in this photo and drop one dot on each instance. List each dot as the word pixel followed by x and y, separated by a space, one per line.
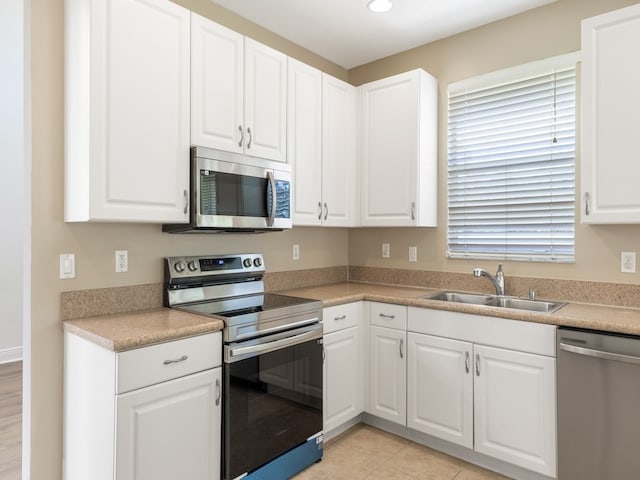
pixel 126 111
pixel 239 92
pixel 399 150
pixel 322 147
pixel 304 141
pixel 217 85
pixel 339 166
pixel 610 165
pixel 265 101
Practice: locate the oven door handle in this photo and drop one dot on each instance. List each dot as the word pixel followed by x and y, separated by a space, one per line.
pixel 234 353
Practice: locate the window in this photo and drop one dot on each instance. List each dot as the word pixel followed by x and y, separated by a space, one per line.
pixel 511 164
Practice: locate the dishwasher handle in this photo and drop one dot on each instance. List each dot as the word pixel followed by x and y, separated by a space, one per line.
pixel 590 352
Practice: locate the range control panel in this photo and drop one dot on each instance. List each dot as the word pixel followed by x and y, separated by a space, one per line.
pixel 199 266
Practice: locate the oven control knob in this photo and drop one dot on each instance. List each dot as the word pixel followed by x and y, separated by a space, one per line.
pixel 257 262
pixel 179 267
pixel 193 266
pixel 246 262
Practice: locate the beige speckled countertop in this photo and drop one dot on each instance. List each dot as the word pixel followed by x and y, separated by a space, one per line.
pixel 580 315
pixel 124 331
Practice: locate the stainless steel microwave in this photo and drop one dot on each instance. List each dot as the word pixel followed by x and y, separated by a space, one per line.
pixel 236 193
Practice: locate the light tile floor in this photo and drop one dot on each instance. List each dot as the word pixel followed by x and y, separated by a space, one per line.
pixel 367 453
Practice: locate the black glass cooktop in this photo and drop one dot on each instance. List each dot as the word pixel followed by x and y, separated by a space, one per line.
pixel 235 306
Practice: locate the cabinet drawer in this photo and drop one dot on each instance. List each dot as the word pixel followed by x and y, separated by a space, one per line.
pixel 340 317
pixel 157 363
pixel 388 315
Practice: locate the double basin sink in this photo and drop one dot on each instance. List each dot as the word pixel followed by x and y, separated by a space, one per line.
pixel 497 301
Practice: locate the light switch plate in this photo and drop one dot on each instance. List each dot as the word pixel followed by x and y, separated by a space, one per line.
pixel 413 254
pixel 67 266
pixel 386 250
pixel 296 252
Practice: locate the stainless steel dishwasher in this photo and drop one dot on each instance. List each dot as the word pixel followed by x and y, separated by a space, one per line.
pixel 598 406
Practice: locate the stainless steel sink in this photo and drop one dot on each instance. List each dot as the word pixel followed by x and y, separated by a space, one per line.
pixel 524 304
pixel 497 301
pixel 458 297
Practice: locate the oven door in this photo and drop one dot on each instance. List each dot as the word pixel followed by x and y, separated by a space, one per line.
pixel 272 397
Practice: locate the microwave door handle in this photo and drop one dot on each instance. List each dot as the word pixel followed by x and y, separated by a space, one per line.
pixel 272 186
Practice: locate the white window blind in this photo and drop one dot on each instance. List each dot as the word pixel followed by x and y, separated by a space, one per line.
pixel 511 168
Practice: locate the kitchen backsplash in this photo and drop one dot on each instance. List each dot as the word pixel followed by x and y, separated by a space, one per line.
pixel 104 301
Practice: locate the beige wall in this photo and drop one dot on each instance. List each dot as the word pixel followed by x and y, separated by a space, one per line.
pixel 94 244
pixel 541 33
pixel 551 31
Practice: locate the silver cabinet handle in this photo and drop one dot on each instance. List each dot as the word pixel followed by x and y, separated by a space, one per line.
pixel 241 135
pixel 324 354
pixel 176 360
pixel 466 362
pixel 413 210
pixel 589 352
pixel 218 391
pixel 340 318
pixel 401 344
pixel 477 364
pixel 250 138
pixel 384 315
pixel 587 197
pixel 272 185
pixel 319 210
pixel 326 210
pixel 186 201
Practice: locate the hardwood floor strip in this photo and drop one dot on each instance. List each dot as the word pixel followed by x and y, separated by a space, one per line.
pixel 11 421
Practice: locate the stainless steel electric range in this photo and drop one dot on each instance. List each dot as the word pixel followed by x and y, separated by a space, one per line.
pixel 272 410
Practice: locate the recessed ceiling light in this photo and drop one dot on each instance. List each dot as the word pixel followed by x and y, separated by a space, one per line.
pixel 379 6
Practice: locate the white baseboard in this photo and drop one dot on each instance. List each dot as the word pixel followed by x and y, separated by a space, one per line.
pixel 9 355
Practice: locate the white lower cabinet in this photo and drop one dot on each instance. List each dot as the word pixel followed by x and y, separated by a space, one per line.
pixel 499 400
pixel 170 430
pixel 148 413
pixel 343 364
pixel 515 408
pixel 440 388
pixel 388 362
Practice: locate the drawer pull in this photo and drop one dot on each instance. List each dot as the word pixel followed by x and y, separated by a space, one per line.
pixel 340 318
pixel 218 391
pixel 384 315
pixel 176 360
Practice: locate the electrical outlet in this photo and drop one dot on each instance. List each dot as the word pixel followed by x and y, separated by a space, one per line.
pixel 628 262
pixel 413 254
pixel 122 261
pixel 386 250
pixel 296 252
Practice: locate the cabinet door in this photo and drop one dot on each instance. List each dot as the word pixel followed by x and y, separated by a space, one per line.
pixel 440 388
pixel 170 430
pixel 304 141
pixel 515 408
pixel 343 369
pixel 388 374
pixel 127 104
pixel 217 84
pixel 399 150
pixel 265 97
pixel 610 106
pixel 339 192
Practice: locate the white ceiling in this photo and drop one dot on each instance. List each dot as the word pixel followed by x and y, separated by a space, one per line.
pixel 347 33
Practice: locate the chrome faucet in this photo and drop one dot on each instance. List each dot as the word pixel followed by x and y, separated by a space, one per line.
pixel 497 280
